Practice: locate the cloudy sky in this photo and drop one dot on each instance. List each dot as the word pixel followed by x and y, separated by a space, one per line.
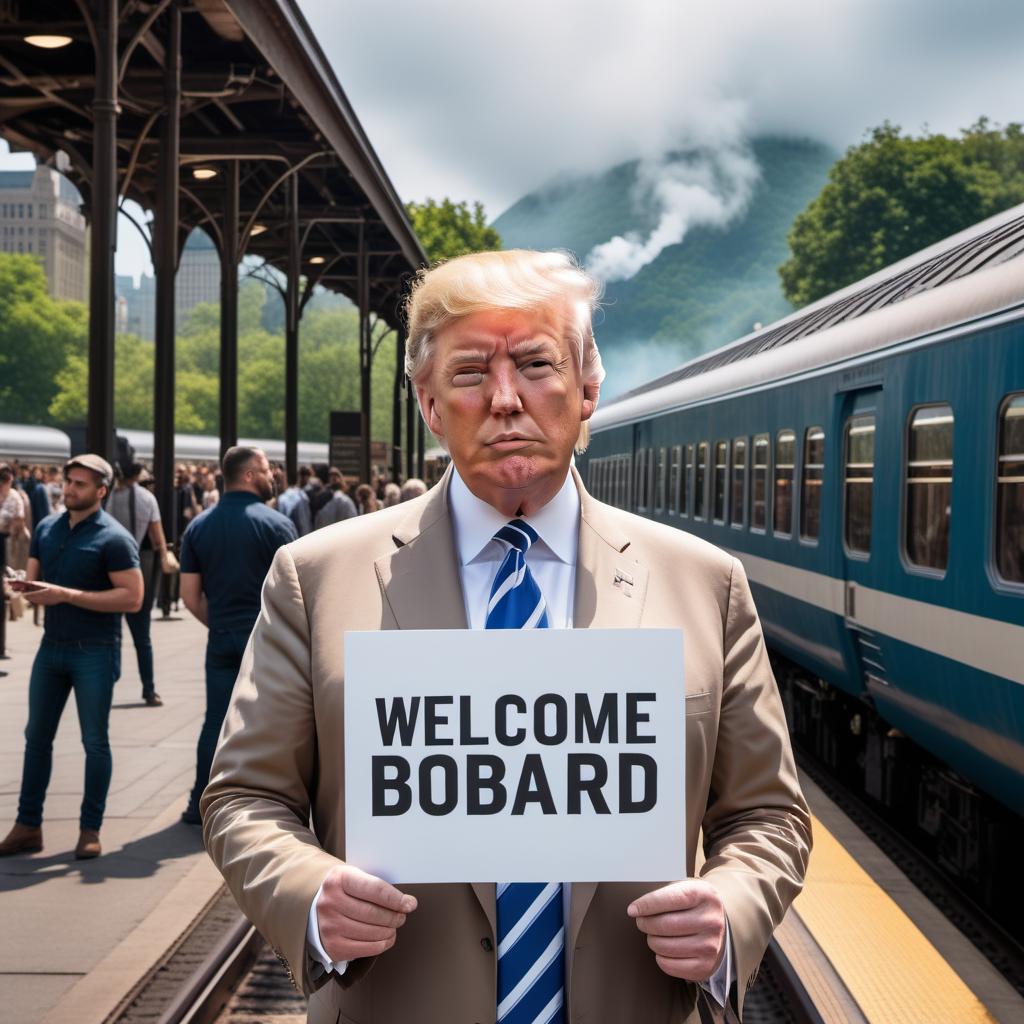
pixel 487 101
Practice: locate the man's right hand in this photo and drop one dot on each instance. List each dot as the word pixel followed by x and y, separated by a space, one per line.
pixel 358 914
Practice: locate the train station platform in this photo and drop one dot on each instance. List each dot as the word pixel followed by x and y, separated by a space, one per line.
pixel 78 935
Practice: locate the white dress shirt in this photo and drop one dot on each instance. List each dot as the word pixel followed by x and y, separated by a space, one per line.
pixel 552 561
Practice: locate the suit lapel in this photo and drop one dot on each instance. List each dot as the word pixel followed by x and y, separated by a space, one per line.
pixel 611 585
pixel 420 579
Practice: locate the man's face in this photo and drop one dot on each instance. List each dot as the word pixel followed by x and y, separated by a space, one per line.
pixel 82 489
pixel 261 476
pixel 505 393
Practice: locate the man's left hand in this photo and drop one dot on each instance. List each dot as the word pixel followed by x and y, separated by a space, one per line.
pixel 48 594
pixel 685 927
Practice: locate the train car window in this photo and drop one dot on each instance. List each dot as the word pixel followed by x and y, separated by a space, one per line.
pixel 929 486
pixel 700 481
pixel 686 483
pixel 739 481
pixel 721 481
pixel 811 483
pixel 782 508
pixel 1010 492
pixel 859 449
pixel 640 489
pixel 659 482
pixel 673 479
pixel 759 485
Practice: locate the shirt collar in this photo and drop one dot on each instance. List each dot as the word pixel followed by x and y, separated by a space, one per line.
pixel 240 497
pixel 557 523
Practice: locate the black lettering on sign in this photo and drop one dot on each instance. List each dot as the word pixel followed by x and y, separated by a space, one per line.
pixel 501 713
pixel 577 785
pixel 533 787
pixel 382 784
pixel 449 784
pixel 432 718
pixel 477 782
pixel 594 728
pixel 400 717
pixel 628 802
pixel 634 717
pixel 556 702
pixel 466 737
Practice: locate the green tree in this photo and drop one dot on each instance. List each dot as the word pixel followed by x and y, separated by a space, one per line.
pixel 893 195
pixel 38 334
pixel 448 229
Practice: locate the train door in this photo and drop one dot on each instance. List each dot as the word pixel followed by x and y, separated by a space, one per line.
pixel 860 415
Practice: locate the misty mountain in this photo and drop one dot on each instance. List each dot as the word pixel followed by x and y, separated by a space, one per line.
pixel 696 295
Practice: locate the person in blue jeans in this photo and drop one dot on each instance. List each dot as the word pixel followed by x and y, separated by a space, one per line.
pixel 225 555
pixel 84 569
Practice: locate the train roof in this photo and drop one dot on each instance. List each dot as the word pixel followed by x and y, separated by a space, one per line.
pixel 38 444
pixel 923 292
pixel 48 444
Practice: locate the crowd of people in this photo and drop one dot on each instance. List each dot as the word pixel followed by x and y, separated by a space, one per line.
pixel 87 544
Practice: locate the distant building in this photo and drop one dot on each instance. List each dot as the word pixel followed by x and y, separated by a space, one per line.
pixel 198 281
pixel 39 214
pixel 198 276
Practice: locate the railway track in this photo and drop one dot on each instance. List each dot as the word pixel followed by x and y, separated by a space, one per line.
pixel 222 972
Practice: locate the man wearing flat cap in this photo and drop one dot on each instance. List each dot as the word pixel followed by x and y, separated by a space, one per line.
pixel 83 567
pixel 502 354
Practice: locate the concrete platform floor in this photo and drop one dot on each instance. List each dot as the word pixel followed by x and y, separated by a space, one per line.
pixel 74 933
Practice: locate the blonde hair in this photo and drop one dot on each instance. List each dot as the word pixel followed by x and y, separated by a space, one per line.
pixel 519 279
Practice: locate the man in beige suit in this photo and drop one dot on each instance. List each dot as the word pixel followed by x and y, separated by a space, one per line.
pixel 507 373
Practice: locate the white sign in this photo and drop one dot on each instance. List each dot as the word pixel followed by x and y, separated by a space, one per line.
pixel 515 755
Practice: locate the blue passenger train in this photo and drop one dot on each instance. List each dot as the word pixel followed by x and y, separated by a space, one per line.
pixel 864 459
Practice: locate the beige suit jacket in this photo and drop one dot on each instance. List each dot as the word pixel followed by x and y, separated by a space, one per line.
pixel 273 814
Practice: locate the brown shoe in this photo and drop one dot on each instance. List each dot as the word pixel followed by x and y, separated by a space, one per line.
pixel 22 839
pixel 88 844
pixel 153 700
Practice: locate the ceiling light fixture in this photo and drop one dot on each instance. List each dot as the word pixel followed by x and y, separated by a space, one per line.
pixel 317 259
pixel 48 42
pixel 258 229
pixel 204 173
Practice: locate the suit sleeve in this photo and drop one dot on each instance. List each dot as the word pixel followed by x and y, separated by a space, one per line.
pixel 256 809
pixel 757 828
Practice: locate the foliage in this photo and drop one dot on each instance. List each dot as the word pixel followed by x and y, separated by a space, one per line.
pixel 448 229
pixel 37 336
pixel 893 195
pixel 328 375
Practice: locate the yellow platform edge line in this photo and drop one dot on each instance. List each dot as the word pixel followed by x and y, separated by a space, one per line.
pixel 891 969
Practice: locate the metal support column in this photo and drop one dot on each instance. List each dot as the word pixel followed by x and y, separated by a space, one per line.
pixel 396 406
pixel 229 256
pixel 103 238
pixel 291 336
pixel 365 355
pixel 165 265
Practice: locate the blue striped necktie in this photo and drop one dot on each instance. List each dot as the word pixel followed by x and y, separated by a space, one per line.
pixel 531 939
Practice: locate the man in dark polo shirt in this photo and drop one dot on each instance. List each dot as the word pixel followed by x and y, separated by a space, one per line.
pixel 225 555
pixel 83 568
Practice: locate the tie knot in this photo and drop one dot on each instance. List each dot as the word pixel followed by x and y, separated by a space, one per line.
pixel 518 534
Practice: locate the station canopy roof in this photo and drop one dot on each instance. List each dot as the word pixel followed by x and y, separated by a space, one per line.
pixel 255 87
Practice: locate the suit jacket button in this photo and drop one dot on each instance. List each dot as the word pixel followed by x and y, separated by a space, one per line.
pixel 486 944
